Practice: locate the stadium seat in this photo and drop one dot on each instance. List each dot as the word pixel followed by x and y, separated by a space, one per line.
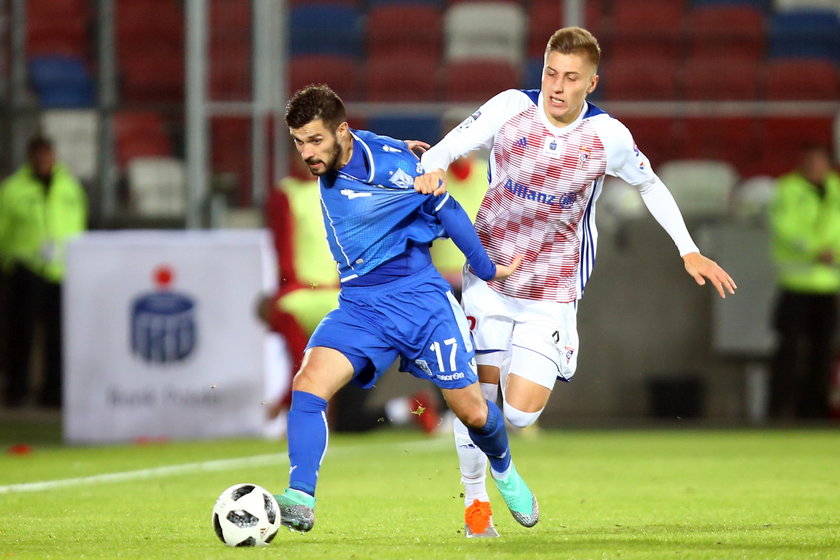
pixel 650 28
pixel 725 31
pixel 804 34
pixel 764 5
pixel 402 78
pixel 732 139
pixel 75 133
pixel 546 16
pixel 157 187
pixel 752 197
pixel 485 30
pixel 402 127
pixel 478 80
pixel 702 188
pixel 230 153
pixel 657 137
pixel 138 134
pixel 404 29
pixel 61 81
pixel 324 28
pixel 340 72
pixel 154 75
pixel 787 5
pixel 815 79
pixel 720 79
pixel 650 78
pixel 62 35
pixel 230 70
pixel 783 139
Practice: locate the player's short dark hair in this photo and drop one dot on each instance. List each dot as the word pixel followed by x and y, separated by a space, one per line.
pixel 37 144
pixel 316 101
pixel 570 40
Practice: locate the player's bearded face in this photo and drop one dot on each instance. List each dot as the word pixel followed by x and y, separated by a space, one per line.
pixel 318 147
pixel 566 81
pixel 326 158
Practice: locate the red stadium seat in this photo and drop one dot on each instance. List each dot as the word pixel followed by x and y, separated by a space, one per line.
pixel 656 137
pixel 546 16
pixel 230 70
pixel 341 73
pixel 639 78
pixel 139 134
pixel 649 28
pixel 784 137
pixel 68 36
pixel 230 152
pixel 404 29
pixel 732 139
pixel 478 80
pixel 725 31
pixel 402 78
pixel 720 79
pixel 802 79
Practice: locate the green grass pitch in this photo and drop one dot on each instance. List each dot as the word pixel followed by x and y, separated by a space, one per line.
pixel 677 494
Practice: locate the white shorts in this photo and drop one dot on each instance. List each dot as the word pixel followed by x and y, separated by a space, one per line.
pixel 539 338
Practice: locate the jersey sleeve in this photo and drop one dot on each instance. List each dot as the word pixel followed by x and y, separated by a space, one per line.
pixel 459 228
pixel 627 162
pixel 477 131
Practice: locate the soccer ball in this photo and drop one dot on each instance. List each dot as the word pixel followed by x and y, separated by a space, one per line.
pixel 246 515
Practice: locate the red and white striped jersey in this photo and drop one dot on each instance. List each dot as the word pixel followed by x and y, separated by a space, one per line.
pixel 543 184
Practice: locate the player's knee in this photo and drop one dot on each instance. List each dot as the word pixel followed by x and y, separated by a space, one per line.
pixel 519 418
pixel 473 417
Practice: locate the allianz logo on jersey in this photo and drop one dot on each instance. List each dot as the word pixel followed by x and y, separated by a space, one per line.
pixel 565 200
pixel 163 324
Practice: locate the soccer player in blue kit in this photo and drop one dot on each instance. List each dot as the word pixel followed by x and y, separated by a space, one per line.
pixel 392 302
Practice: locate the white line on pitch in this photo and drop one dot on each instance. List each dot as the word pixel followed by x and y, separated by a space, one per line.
pixel 203 466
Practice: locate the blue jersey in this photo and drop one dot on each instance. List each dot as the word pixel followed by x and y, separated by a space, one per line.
pixel 373 215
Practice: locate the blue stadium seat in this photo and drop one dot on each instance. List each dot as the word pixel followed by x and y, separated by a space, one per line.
pixel 805 33
pixel 764 5
pixel 325 28
pixel 419 127
pixel 61 81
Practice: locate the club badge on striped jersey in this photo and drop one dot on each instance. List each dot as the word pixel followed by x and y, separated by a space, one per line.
pixel 553 147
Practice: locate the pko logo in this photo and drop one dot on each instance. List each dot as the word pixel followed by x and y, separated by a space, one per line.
pixel 163 325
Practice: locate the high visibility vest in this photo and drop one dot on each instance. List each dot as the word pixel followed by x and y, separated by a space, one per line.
pixel 806 225
pixel 36 223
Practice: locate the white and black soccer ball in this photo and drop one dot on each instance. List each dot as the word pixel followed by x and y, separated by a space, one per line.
pixel 246 515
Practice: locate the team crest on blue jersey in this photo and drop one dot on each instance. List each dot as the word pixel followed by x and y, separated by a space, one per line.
pixel 163 325
pixel 402 179
pixel 422 364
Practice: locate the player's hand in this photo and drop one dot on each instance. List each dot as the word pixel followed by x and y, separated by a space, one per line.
pixel 417 146
pixel 702 268
pixel 503 272
pixel 432 182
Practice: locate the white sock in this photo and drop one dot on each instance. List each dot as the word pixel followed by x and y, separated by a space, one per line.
pixel 490 391
pixel 473 464
pixel 398 410
pixel 519 418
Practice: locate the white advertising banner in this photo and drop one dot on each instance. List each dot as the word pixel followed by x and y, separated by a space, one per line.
pixel 161 335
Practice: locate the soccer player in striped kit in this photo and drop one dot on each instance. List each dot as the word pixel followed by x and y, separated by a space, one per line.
pixel 550 151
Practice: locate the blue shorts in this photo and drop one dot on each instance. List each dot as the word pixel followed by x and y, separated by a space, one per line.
pixel 415 318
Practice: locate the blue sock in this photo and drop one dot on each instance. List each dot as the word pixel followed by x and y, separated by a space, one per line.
pixel 307 436
pixel 492 439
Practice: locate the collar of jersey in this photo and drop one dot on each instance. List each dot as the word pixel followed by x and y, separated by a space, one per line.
pixel 556 130
pixel 360 167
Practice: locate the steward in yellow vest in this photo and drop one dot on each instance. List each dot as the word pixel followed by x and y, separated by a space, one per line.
pixel 805 219
pixel 42 206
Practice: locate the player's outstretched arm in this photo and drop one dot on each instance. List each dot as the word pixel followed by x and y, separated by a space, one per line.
pixel 503 272
pixel 702 268
pixel 431 182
